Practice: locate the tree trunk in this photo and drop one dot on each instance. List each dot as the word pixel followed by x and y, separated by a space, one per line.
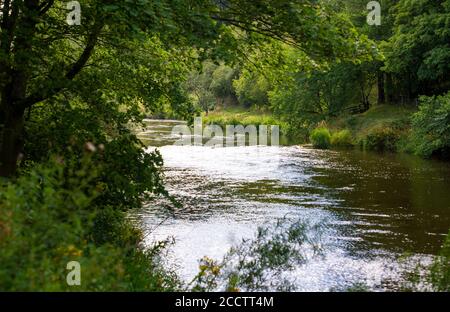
pixel 380 83
pixel 12 109
pixel 390 88
pixel 11 143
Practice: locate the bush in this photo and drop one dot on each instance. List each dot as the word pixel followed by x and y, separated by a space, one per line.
pixel 434 276
pixel 383 139
pixel 321 138
pixel 261 263
pixel 342 138
pixel 431 127
pixel 440 269
pixel 48 218
pixel 127 175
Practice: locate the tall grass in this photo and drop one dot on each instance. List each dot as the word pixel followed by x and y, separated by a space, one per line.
pixel 236 116
pixel 321 138
pixel 342 138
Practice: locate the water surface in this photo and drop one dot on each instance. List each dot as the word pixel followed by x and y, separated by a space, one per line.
pixel 381 213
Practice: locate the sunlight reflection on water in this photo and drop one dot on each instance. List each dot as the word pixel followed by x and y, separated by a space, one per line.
pixel 363 200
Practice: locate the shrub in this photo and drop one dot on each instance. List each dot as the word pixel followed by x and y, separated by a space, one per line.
pixel 321 138
pixel 342 138
pixel 383 139
pixel 127 175
pixel 431 127
pixel 434 276
pixel 261 263
pixel 48 217
pixel 440 269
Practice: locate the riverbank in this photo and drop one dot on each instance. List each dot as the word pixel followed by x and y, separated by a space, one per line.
pixel 241 116
pixel 345 130
pixel 381 128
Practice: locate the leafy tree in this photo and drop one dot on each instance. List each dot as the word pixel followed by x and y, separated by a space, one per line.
pixel 211 86
pixel 431 127
pixel 222 84
pixel 419 49
pixel 322 94
pixel 199 85
pixel 252 88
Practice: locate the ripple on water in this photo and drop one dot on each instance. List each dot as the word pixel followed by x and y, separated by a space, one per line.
pixel 372 207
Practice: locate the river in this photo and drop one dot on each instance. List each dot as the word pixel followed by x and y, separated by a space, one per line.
pixel 381 213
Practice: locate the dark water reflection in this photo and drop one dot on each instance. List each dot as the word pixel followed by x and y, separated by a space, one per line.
pixel 376 208
pixel 396 202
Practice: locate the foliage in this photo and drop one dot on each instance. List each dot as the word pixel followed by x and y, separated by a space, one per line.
pixel 211 86
pixel 431 127
pixel 49 217
pixel 222 83
pixel 383 139
pixel 419 49
pixel 323 94
pixel 260 263
pixel 439 275
pixel 252 89
pixel 127 174
pixel 342 138
pixel 321 138
pixel 434 276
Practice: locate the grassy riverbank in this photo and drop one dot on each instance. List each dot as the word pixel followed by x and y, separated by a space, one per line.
pixel 381 128
pixel 423 131
pixel 386 128
pixel 344 131
pixel 241 116
pixel 376 117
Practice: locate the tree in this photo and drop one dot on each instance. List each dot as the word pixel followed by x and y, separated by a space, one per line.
pixel 222 84
pixel 211 85
pixel 418 53
pixel 321 94
pixel 252 88
pixel 42 57
pixel 357 10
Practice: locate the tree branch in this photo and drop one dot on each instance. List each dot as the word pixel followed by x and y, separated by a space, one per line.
pixel 75 69
pixel 45 6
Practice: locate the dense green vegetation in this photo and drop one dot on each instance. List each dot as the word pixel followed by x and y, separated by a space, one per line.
pixel 241 116
pixel 71 168
pixel 321 138
pixel 407 67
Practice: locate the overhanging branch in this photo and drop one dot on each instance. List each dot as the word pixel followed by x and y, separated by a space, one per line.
pixel 74 70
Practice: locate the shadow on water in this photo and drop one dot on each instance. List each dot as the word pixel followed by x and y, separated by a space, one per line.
pixel 394 201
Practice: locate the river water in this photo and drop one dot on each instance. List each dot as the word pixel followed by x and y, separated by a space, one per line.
pixel 380 214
